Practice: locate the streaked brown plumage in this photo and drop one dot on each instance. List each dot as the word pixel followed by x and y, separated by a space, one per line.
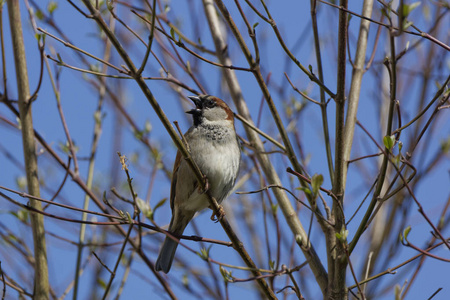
pixel 214 146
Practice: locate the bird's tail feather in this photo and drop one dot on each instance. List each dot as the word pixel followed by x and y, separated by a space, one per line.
pixel 167 252
pixel 166 255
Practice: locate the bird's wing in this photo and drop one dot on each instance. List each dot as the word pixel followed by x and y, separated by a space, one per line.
pixel 173 185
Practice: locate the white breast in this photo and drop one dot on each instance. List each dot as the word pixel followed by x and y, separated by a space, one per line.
pixel 216 151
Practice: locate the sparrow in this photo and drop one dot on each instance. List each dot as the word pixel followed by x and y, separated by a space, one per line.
pixel 214 146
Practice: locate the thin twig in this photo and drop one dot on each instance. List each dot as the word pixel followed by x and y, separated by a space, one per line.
pixel 287 190
pixel 259 131
pixel 102 263
pixel 421 33
pixel 150 41
pixel 69 45
pixel 300 92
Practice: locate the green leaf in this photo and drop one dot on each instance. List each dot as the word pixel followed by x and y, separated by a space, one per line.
pixel 39 14
pixel 254 25
pixel 59 57
pixel 130 219
pixel 404 235
pixel 95 67
pixel 407 24
pixel 21 183
pixel 226 275
pixel 185 280
pixel 166 8
pixel 11 237
pixel 23 215
pixel 408 8
pixel 144 207
pixel 110 5
pixel 172 33
pixel 306 190
pixel 316 183
pixel 188 66
pixel 147 127
pixel 389 141
pixel 160 203
pixel 52 6
pixel 298 105
pixel 406 232
pixel 445 145
pixel 271 264
pixel 385 12
pixel 345 233
pixel 38 37
pixel 138 134
pixel 342 235
pixel 101 283
pixel 274 208
pixel 101 3
pixel 151 213
pixel 66 147
pixel 204 253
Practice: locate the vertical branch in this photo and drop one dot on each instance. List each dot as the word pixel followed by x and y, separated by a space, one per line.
pixel 41 284
pixel 355 87
pixel 257 73
pixel 337 286
pixel 338 183
pixel 269 171
pixel 323 105
pixel 391 65
pixel 329 233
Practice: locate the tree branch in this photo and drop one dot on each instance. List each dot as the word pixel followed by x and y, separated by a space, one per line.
pixel 41 283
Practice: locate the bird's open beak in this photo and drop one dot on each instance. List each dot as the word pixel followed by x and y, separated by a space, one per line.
pixel 198 105
pixel 196 100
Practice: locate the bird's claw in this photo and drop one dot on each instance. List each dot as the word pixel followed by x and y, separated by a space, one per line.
pixel 220 215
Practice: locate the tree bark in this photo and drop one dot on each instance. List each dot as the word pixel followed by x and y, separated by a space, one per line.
pixel 41 284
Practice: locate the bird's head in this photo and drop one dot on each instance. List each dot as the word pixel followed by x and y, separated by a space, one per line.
pixel 210 109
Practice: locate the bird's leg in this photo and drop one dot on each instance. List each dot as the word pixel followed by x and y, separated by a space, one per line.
pixel 205 180
pixel 220 213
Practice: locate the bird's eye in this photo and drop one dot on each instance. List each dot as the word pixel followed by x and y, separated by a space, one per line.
pixel 210 103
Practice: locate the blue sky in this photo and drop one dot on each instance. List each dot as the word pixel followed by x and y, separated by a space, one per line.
pixel 79 101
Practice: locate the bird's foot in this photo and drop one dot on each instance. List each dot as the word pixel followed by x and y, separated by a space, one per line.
pixel 220 215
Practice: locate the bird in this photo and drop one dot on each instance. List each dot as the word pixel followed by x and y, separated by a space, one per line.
pixel 214 146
